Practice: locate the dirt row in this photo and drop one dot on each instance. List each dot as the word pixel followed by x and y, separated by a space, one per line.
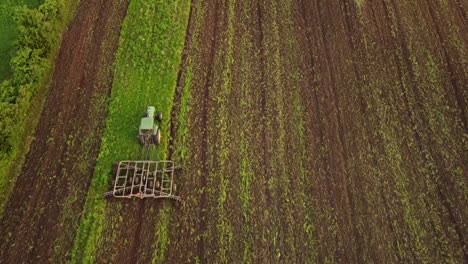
pixel 347 116
pixel 43 212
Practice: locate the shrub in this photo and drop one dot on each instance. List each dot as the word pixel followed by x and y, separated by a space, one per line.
pixel 39 35
pixel 39 32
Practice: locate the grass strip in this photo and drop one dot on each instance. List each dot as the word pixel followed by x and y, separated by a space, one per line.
pixel 146 67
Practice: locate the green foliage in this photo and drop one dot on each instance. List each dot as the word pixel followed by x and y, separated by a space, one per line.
pixel 39 34
pixel 9 32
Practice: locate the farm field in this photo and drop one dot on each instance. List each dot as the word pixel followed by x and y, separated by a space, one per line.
pixel 321 131
pixel 308 132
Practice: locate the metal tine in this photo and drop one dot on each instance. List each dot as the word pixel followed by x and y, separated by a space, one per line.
pixel 147 172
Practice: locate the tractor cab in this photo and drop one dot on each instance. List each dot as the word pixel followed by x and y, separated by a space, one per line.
pixel 149 132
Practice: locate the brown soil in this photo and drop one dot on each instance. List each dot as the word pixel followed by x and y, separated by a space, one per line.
pixel 351 121
pixel 361 182
pixel 44 209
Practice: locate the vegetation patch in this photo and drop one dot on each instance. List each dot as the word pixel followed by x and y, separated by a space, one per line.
pixel 38 34
pixel 8 31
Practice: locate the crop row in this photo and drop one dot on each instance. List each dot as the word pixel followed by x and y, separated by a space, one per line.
pixel 392 106
pixel 310 131
pixel 242 200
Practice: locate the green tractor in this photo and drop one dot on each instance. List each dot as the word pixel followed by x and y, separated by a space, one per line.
pixel 149 132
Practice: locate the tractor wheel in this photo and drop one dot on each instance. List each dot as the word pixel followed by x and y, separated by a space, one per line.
pixel 157 137
pixel 159 116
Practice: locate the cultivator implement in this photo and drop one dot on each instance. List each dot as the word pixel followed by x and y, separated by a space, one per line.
pixel 144 179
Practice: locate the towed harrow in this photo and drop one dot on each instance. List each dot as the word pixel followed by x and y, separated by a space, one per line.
pixel 144 179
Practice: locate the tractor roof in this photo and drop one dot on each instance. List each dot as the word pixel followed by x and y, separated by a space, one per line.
pixel 146 123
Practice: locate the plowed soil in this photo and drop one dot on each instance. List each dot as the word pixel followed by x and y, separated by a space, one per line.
pixel 43 212
pixel 318 132
pixel 324 131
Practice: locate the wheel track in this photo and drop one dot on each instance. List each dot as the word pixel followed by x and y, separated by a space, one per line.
pixel 84 96
pixel 137 250
pixel 336 156
pixel 180 86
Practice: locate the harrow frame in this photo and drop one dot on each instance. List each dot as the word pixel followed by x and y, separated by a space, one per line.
pixel 144 179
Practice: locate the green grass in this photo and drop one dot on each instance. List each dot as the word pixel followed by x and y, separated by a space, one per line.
pixel 8 32
pixel 146 67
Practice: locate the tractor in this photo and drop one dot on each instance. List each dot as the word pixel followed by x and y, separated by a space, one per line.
pixel 145 178
pixel 149 132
